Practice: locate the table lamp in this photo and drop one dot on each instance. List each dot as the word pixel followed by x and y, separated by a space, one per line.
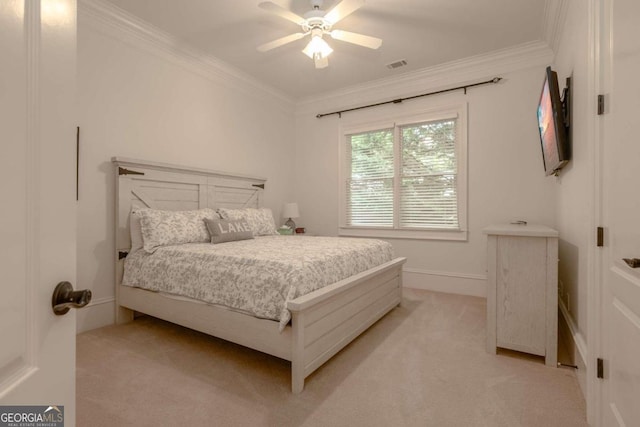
pixel 290 211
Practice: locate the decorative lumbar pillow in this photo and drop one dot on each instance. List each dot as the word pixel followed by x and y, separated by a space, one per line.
pixel 223 230
pixel 260 220
pixel 163 228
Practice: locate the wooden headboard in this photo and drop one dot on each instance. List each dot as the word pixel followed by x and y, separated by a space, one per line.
pixel 163 186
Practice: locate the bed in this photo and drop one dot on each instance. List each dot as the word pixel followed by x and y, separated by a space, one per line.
pixel 322 321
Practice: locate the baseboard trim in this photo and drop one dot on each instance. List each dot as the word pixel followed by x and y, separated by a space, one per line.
pixel 101 311
pixel 98 313
pixel 575 343
pixel 575 334
pixel 444 281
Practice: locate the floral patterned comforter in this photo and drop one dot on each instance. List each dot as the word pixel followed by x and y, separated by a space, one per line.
pixel 256 276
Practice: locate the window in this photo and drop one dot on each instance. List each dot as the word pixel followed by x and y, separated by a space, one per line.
pixel 406 178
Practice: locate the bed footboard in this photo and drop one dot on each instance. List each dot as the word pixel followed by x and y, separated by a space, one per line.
pixel 326 320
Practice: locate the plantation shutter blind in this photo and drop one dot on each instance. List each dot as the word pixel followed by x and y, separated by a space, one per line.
pixel 405 176
pixel 428 175
pixel 370 178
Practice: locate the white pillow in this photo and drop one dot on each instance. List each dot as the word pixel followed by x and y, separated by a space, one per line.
pixel 260 220
pixel 162 228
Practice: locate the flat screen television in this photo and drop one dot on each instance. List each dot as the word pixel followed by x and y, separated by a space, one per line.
pixel 553 124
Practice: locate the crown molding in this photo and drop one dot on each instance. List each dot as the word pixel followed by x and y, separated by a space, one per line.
pixel 555 16
pixel 459 72
pixel 115 22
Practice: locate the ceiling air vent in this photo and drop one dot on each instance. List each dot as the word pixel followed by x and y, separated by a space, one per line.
pixel 397 64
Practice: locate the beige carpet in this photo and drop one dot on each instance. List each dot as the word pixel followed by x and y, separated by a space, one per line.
pixel 424 364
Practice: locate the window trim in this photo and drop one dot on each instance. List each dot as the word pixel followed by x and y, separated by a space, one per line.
pixel 459 111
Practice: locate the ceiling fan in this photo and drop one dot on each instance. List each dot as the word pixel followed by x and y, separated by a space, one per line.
pixel 317 23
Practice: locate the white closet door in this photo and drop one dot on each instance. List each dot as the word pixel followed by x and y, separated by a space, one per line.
pixel 621 211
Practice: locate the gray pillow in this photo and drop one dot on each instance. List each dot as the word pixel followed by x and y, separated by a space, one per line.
pixel 260 220
pixel 223 230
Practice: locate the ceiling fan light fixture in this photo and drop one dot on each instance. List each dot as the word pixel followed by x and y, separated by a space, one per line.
pixel 316 23
pixel 317 48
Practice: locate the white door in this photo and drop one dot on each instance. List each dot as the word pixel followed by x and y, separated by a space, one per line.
pixel 37 199
pixel 620 403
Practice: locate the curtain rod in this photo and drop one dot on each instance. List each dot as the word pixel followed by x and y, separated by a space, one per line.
pixel 399 100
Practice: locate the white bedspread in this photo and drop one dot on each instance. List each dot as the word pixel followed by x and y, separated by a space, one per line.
pixel 256 276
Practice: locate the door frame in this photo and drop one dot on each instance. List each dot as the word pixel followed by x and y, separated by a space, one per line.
pixel 598 84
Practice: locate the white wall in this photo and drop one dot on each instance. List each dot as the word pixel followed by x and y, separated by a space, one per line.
pixel 140 96
pixel 506 176
pixel 140 101
pixel 576 184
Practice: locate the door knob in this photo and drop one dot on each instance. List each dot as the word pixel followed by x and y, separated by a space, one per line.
pixel 64 298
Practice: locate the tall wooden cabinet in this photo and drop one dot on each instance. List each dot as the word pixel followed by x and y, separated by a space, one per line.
pixel 522 295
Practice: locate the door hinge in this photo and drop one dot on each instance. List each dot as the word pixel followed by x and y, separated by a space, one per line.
pixel 125 171
pixel 600 368
pixel 601 105
pixel 600 237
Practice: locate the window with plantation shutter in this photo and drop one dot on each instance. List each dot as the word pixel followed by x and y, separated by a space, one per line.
pixel 371 176
pixel 428 193
pixel 406 178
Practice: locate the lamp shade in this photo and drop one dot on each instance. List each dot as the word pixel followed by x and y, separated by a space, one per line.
pixel 290 210
pixel 317 47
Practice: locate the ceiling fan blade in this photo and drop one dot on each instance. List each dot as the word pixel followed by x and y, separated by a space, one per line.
pixel 321 62
pixel 281 12
pixel 281 41
pixel 342 10
pixel 355 38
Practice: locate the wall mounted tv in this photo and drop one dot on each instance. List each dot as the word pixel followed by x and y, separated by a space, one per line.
pixel 553 123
